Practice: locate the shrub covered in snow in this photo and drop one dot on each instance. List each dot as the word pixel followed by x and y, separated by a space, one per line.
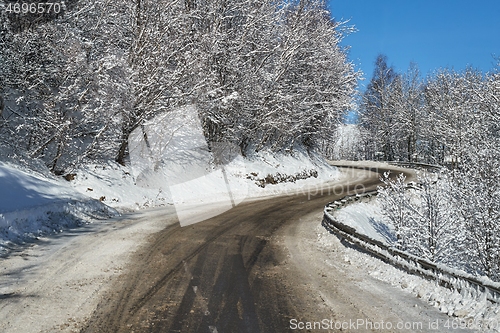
pixel 445 219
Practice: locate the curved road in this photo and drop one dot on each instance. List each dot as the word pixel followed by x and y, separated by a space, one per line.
pixel 243 271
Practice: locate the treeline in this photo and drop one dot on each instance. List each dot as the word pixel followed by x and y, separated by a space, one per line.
pixel 443 119
pixel 451 219
pixel 262 74
pixel 450 119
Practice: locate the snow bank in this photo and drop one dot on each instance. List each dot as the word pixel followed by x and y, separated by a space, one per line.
pixel 171 163
pixel 367 219
pixel 33 204
pixel 198 182
pixel 470 307
pixel 115 186
pixel 312 167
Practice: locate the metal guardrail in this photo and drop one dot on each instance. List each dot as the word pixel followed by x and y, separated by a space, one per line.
pixel 416 165
pixel 454 280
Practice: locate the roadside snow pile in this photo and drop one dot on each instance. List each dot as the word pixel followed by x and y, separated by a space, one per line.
pixel 367 219
pixel 470 307
pixel 202 182
pixel 33 204
pixel 198 188
pixel 274 173
pixel 115 185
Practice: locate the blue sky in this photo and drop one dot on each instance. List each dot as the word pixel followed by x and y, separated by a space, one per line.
pixel 434 34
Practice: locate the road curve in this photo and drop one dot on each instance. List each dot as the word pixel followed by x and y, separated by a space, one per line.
pixel 231 273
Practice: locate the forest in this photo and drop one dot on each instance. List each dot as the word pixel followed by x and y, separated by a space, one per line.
pixel 262 74
pixel 449 119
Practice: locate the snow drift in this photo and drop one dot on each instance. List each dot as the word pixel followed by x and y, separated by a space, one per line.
pixel 32 205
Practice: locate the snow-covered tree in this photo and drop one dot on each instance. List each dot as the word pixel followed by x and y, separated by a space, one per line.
pixel 59 77
pixel 425 217
pixel 452 104
pixel 378 108
pixel 396 207
pixel 478 179
pixel 438 225
pixel 410 117
pixel 348 143
pixel 480 207
pixel 312 81
pixel 263 75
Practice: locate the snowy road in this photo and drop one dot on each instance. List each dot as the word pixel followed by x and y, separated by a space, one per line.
pixel 256 268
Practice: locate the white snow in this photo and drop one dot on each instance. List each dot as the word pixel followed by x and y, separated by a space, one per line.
pixel 170 165
pixel 116 186
pixel 32 204
pixel 200 183
pixel 469 308
pixel 367 219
